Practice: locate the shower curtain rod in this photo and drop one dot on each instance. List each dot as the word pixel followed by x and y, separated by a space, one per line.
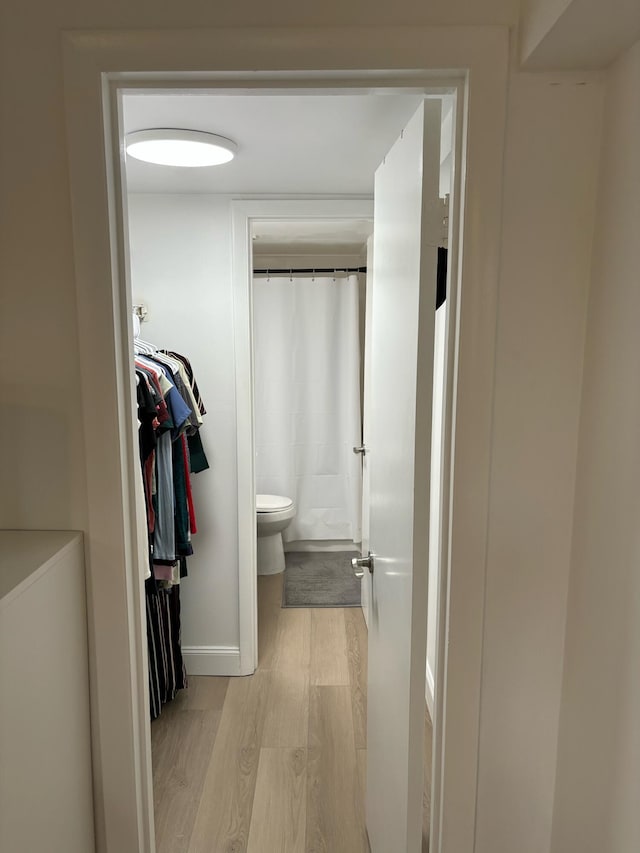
pixel 309 270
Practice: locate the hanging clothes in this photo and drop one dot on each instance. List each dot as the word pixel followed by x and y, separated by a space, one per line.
pixel 170 411
pixel 197 456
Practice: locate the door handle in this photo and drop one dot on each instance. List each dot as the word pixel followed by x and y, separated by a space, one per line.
pixel 359 564
pixel 362 449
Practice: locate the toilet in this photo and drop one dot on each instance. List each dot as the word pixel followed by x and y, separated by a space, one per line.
pixel 274 514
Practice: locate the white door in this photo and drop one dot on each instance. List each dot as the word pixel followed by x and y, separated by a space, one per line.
pixel 406 232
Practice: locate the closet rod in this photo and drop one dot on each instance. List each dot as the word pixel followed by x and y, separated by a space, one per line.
pixel 310 270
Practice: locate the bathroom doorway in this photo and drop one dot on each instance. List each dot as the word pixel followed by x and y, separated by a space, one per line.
pixel 309 306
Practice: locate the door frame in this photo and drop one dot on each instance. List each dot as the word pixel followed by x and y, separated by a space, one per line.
pixel 97 65
pixel 243 213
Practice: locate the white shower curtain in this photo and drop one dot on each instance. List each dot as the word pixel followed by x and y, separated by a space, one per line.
pixel 307 401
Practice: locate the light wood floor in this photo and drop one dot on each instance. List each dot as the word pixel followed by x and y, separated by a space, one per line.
pixel 273 762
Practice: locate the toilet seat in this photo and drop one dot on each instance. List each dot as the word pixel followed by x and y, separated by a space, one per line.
pixel 272 503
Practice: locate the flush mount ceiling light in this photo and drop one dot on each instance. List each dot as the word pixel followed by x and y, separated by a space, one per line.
pixel 177 147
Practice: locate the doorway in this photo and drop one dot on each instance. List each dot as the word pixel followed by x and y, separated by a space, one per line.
pixel 185 301
pixel 308 301
pixel 100 68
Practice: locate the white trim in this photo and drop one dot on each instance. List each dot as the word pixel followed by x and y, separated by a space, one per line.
pixel 453 286
pixel 212 660
pixel 243 357
pixel 430 691
pixel 96 66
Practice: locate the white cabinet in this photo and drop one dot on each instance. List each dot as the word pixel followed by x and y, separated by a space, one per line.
pixel 46 798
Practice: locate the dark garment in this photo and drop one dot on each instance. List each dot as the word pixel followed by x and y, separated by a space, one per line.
pixel 167 673
pixel 147 443
pixel 146 416
pixel 441 287
pixel 193 526
pixel 181 508
pixel 197 457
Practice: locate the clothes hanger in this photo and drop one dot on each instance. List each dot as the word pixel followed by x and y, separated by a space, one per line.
pixel 143 347
pixel 139 345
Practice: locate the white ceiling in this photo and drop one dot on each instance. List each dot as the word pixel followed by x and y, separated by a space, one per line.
pixel 580 34
pixel 291 144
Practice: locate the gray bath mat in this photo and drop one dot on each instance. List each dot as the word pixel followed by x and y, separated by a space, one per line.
pixel 314 579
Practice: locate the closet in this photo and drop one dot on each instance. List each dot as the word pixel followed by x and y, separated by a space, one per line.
pixel 169 411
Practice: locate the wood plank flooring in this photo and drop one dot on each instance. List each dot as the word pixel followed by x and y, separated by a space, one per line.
pixel 274 762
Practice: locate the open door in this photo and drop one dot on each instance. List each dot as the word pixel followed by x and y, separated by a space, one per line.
pixel 398 447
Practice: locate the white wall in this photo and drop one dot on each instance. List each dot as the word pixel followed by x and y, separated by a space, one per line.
pixel 181 270
pixel 550 191
pixel 598 781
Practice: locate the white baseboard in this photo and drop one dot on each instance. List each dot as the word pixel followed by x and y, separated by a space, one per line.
pixel 211 660
pixel 320 545
pixel 430 690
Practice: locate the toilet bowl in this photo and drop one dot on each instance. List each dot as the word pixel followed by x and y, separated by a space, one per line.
pixel 274 514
